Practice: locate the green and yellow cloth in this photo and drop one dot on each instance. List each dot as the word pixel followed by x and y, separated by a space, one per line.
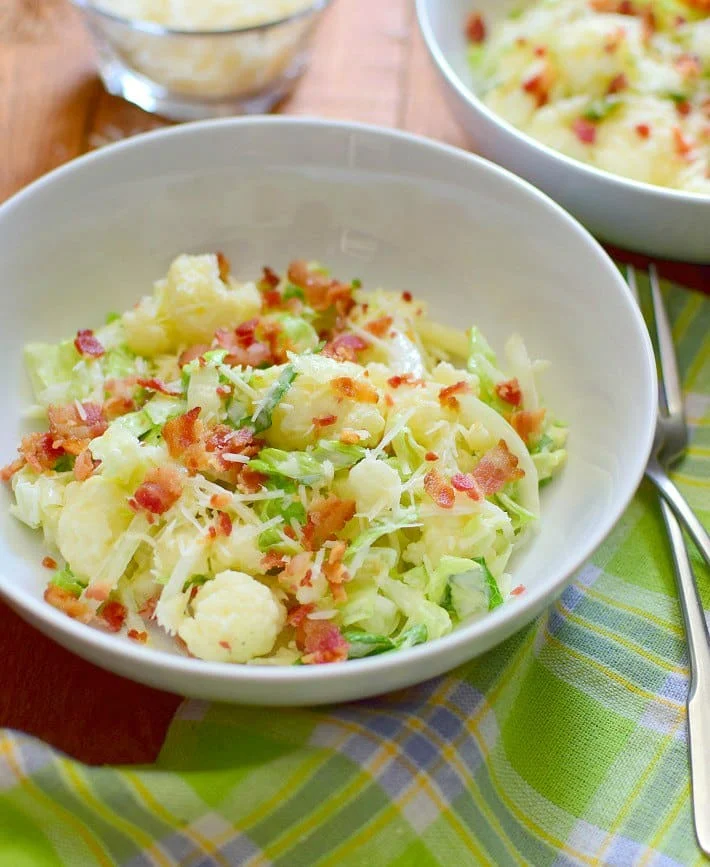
pixel 565 745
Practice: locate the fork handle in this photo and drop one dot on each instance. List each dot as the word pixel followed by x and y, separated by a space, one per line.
pixel 699 691
pixel 682 510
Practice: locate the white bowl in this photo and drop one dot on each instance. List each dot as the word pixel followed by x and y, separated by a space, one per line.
pixel 653 220
pixel 395 210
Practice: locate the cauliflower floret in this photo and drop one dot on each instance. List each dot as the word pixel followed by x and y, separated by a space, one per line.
pixel 426 411
pixel 312 396
pixel 189 305
pixel 239 550
pixel 170 548
pixel 94 516
pixel 375 486
pixel 235 619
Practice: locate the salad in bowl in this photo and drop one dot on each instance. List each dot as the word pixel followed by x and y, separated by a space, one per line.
pixel 289 470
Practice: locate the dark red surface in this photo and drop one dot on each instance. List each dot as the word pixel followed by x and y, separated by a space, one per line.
pixel 693 276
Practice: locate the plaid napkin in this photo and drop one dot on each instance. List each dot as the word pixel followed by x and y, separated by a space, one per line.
pixel 565 745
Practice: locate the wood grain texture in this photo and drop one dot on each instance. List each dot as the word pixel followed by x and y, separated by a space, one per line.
pixel 369 65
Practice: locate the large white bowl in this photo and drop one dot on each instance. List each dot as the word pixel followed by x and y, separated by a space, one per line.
pixel 653 220
pixel 481 245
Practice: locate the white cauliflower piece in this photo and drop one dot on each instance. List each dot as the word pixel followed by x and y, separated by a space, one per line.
pixel 375 486
pixel 239 550
pixel 235 619
pixel 312 396
pixel 124 457
pixel 94 516
pixel 188 306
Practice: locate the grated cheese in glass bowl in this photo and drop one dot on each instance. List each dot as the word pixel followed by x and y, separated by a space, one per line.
pixel 195 59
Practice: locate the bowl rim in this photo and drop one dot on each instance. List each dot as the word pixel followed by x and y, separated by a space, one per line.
pixel 89 7
pixel 593 174
pixel 515 614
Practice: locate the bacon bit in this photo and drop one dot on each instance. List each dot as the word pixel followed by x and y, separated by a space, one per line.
pixel 113 407
pixel 224 524
pixel 250 481
pixel 643 130
pixel 49 563
pixel 147 610
pixel 322 642
pixel 516 591
pixel 617 84
pixel 349 437
pixel 272 561
pixel 326 517
pixel 182 432
pixel 297 568
pixel 66 602
pixel 683 108
pixel 325 420
pixel 306 580
pixel 86 344
pixel 407 296
pixel 192 352
pixel 496 468
pixel 467 484
pixel 271 298
pixel 389 401
pixel 7 472
pixel 153 384
pixel 431 456
pixel 379 327
pixel 84 466
pixel 100 592
pixel 297 615
pixel 224 390
pixel 510 392
pixel 242 346
pixel 703 5
pixel 538 85
pixel 679 21
pixel 615 40
pixel 269 278
pixel 211 535
pixel 540 51
pixel 290 532
pixel 224 266
pixel 335 572
pixel 360 392
pixel 585 130
pixel 71 428
pixel 345 347
pixel 140 637
pixel 220 501
pixel 113 614
pixel 527 423
pixel 160 490
pixel 683 147
pixel 446 395
pixel 689 65
pixel 439 490
pixel 648 23
pixel 38 450
pixel 321 292
pixel 404 379
pixel 475 28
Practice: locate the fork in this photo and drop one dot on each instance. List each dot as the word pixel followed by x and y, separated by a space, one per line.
pixel 669 444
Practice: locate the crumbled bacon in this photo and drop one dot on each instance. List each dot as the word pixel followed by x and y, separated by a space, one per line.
pixel 7 472
pixel 153 384
pixel 527 423
pixel 345 347
pixel 66 602
pixel 297 615
pixel 271 298
pixel 225 644
pixel 643 130
pixel 404 379
pixel 510 392
pixel 379 327
pixel 688 65
pixel 147 610
pixel 140 637
pixel 49 563
pixel 269 278
pixel 160 490
pixel 516 591
pixel 441 492
pixel 389 400
pixel 39 451
pixel 242 346
pixel 683 107
pixel 84 466
pixel 407 296
pixel 585 130
pixel 192 352
pixel 182 432
pixel 250 481
pixel 467 484
pixel 74 424
pixel 297 571
pixel 447 396
pixel 475 28
pixel 224 266
pixel 360 392
pixel 116 406
pixel 326 517
pixel 272 561
pixel 220 501
pixel 335 572
pixel 322 642
pixel 431 456
pixel 615 40
pixel 321 292
pixel 648 23
pixel 496 468
pixel 349 437
pixel 618 83
pixel 113 614
pixel 539 84
pixel 324 420
pixel 223 524
pixel 88 345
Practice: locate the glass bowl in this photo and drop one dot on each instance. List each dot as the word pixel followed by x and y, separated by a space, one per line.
pixel 197 74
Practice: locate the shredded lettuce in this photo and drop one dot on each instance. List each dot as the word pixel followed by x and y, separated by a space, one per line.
pixel 363 644
pixel 65 579
pixel 262 420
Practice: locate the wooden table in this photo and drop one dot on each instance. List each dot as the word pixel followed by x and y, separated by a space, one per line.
pixel 369 65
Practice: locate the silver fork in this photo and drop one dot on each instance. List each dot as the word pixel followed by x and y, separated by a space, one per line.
pixel 669 444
